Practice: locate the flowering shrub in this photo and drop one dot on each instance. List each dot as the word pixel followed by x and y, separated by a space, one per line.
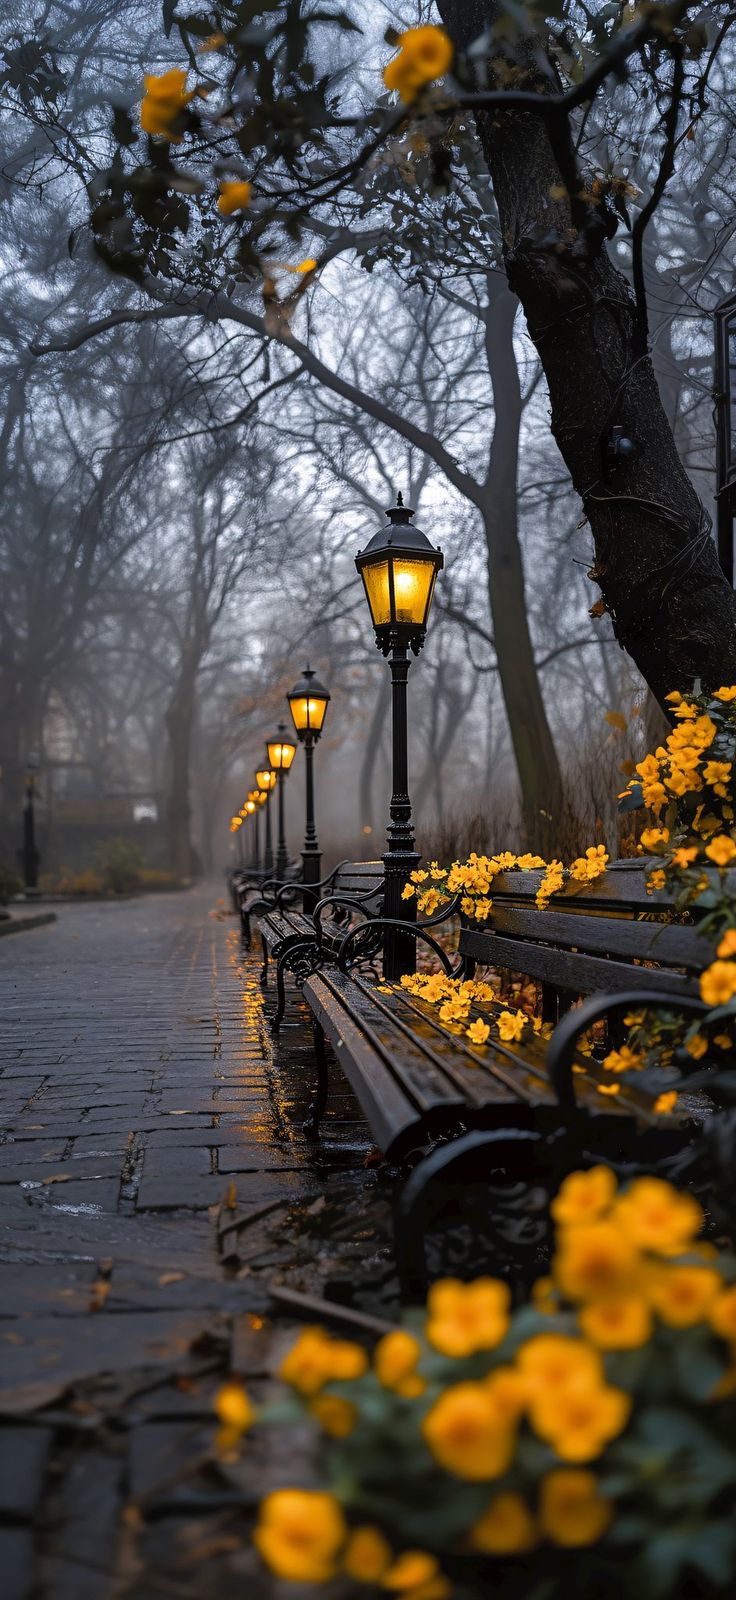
pixel 473 879
pixel 483 1449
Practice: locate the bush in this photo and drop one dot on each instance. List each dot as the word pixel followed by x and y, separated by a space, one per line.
pixel 10 884
pixel 120 864
pixel 153 879
pixel 81 883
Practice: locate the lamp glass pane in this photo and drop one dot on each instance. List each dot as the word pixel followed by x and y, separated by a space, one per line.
pixel 308 713
pixel 281 754
pixel 375 578
pixel 413 584
pixel 265 779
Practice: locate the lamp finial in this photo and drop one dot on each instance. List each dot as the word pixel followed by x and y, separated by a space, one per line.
pixel 399 499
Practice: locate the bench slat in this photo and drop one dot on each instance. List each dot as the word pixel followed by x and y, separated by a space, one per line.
pixel 649 941
pixel 622 885
pixel 576 973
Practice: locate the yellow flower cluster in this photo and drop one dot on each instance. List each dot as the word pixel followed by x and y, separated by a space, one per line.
pixel 425 54
pixel 473 879
pixel 456 996
pixel 627 1263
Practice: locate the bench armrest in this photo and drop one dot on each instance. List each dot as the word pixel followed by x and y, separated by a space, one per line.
pixel 376 923
pixel 357 901
pixel 563 1044
pixel 301 888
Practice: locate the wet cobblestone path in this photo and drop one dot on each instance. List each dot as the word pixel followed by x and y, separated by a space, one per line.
pixel 154 1183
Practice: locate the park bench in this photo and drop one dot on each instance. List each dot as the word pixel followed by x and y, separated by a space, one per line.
pixel 530 1111
pixel 300 941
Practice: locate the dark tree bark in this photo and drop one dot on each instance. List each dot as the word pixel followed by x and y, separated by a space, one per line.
pixel 672 608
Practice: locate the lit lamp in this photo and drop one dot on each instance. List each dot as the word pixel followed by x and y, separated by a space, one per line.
pixel 308 702
pixel 281 751
pixel 266 781
pixel 236 824
pixel 399 570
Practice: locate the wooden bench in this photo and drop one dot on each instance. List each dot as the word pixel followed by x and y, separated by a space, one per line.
pixel 452 1110
pixel 300 942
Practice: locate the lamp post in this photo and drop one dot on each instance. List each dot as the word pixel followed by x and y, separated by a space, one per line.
pixel 253 811
pixel 308 702
pixel 236 824
pixel 29 853
pixel 399 569
pixel 266 780
pixel 281 751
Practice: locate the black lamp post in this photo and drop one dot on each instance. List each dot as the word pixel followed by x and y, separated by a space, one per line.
pixel 399 570
pixel 253 804
pixel 29 853
pixel 281 751
pixel 266 781
pixel 308 702
pixel 236 827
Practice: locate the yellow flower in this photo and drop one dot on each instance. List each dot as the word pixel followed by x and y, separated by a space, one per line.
pixel 718 774
pixel 463 1318
pixel 727 946
pixel 697 1047
pixel 683 1296
pixel 580 1422
pixel 596 1259
pixel 684 855
pixel 608 1088
pixel 723 1041
pixel 584 1196
pixel 623 1060
pixel 572 1511
pixel 651 837
pixel 164 100
pixel 335 1416
pixel 299 1534
pixel 551 1362
pixel 655 1216
pixel 666 1102
pixel 408 892
pixel 507 1528
pixel 395 1361
pixel 718 983
pixel 233 196
pixel 316 1359
pixel 722 1315
pixel 656 881
pixel 424 55
pixel 623 1324
pixel 233 1408
pixel 466 1435
pixel 478 1031
pixel 367 1556
pixel 722 850
pixel 511 1025
pixel 725 694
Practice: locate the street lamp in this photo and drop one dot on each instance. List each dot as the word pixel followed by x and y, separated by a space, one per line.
pixel 281 751
pixel 253 806
pixel 266 780
pixel 399 570
pixel 308 702
pixel 29 853
pixel 236 824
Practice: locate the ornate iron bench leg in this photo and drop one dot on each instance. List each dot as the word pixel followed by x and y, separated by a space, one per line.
pixel 245 925
pixel 421 1198
pixel 317 1108
pixel 263 980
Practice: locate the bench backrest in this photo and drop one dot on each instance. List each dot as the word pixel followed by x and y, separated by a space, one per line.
pixel 361 878
pixel 603 936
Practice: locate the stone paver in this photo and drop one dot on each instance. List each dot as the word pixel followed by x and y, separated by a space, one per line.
pixel 153 1181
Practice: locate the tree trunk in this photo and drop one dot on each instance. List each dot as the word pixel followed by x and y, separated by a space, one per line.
pixel 672 608
pixel 179 724
pixel 536 758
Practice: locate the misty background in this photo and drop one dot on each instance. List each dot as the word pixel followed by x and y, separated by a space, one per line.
pixel 182 500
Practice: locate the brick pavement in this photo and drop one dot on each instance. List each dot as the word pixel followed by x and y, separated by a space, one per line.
pixel 153 1181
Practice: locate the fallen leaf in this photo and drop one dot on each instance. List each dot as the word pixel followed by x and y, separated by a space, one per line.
pixel 170 1277
pixel 58 1177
